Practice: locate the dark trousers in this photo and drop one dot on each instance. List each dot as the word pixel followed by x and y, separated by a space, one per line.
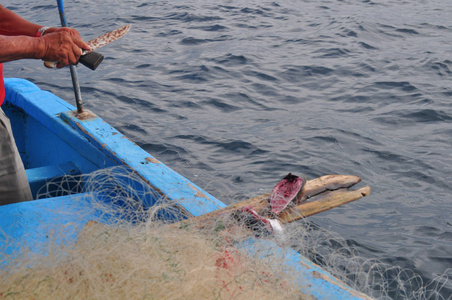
pixel 14 185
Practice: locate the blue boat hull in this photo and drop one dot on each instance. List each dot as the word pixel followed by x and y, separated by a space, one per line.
pixel 54 141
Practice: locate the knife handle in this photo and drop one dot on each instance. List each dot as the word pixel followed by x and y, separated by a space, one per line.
pixel 91 60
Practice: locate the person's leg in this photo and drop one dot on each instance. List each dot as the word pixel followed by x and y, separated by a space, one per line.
pixel 14 185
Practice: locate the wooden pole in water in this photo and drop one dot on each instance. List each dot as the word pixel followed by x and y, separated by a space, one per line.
pixel 328 201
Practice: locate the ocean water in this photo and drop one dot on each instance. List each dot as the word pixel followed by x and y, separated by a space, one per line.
pixel 236 94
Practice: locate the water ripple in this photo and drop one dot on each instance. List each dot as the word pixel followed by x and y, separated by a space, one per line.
pixel 247 91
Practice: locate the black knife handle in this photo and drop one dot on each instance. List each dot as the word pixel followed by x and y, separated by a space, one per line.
pixel 91 60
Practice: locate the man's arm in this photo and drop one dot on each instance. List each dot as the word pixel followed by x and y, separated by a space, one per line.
pixel 19 47
pixel 18 40
pixel 12 24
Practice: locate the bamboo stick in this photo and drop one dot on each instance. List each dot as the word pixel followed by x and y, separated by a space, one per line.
pixel 326 202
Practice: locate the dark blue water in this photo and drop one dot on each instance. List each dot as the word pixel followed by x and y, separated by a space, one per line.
pixel 235 94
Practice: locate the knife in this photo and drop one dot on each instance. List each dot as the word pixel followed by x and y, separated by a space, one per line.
pixel 92 59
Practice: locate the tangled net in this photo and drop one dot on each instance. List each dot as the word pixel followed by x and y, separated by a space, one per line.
pixel 369 276
pixel 134 248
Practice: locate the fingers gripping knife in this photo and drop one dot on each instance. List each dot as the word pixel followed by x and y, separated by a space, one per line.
pixel 92 59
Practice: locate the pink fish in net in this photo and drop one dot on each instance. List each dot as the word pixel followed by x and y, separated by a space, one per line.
pixel 286 191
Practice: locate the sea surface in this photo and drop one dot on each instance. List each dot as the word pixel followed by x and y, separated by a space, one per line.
pixel 236 94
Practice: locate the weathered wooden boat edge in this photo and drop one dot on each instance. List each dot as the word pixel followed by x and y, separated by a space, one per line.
pixel 111 147
pixel 105 142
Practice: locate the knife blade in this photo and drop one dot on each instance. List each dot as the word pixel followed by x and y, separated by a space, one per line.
pixel 107 38
pixel 92 59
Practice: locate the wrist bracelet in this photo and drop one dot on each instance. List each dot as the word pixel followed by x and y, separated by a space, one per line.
pixel 41 31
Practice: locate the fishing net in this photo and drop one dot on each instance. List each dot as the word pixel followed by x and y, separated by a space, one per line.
pixel 134 246
pixel 367 275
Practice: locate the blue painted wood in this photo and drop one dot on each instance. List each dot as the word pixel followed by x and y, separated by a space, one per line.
pixel 93 144
pixel 38 177
pixel 34 116
pixel 174 186
pixel 311 279
pixel 107 146
pixel 29 225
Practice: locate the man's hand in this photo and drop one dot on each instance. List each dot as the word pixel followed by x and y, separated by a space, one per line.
pixel 18 41
pixel 62 45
